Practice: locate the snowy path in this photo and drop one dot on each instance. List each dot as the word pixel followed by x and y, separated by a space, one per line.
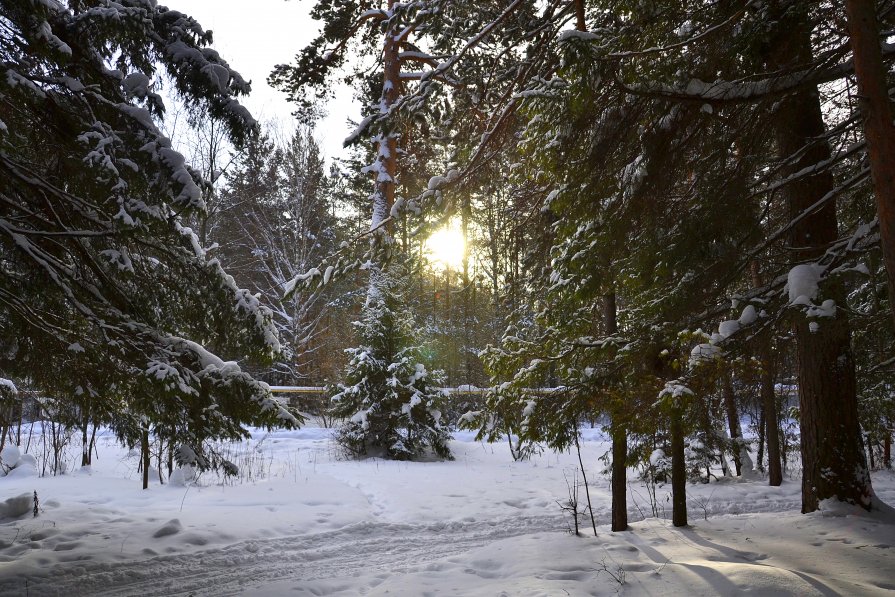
pixel 307 524
pixel 375 548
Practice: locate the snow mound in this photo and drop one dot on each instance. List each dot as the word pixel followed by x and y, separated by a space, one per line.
pixel 17 506
pixel 10 456
pixel 23 469
pixel 172 527
pixel 182 476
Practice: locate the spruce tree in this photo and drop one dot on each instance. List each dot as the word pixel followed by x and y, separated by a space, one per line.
pixel 391 402
pixel 105 292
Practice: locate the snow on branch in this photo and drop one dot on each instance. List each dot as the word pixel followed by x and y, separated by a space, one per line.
pixel 745 90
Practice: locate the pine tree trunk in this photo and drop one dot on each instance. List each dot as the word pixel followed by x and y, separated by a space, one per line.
pixel 678 471
pixel 870 454
pixel 769 408
pixel 468 299
pixel 733 423
pixel 85 443
pixel 619 435
pixel 887 450
pixel 769 425
pixel 144 453
pixel 580 23
pixel 387 156
pixel 619 479
pixel 761 435
pixel 879 132
pixel 833 461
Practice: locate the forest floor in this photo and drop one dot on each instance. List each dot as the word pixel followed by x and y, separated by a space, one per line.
pixel 300 521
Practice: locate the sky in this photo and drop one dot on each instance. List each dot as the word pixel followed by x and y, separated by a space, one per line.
pixel 255 36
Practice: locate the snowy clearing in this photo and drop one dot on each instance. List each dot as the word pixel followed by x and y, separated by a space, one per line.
pixel 302 522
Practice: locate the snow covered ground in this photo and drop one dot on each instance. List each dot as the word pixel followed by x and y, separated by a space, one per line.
pixel 302 522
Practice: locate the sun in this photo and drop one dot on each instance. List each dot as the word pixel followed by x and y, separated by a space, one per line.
pixel 446 248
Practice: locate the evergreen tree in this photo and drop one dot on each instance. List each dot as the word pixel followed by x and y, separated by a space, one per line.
pixel 277 222
pixel 391 402
pixel 104 291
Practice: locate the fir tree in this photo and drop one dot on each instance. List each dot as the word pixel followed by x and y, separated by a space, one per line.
pixel 105 292
pixel 391 403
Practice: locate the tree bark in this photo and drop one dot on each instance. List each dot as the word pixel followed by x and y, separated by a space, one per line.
pixel 761 434
pixel 879 132
pixel 833 461
pixel 619 479
pixel 619 435
pixel 678 471
pixel 85 442
pixel 386 157
pixel 769 425
pixel 771 422
pixel 887 449
pixel 580 23
pixel 144 453
pixel 733 423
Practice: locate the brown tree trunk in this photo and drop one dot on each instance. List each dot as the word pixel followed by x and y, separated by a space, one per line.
pixel 619 435
pixel 386 156
pixel 772 424
pixel 468 298
pixel 678 471
pixel 887 449
pixel 85 442
pixel 833 461
pixel 144 453
pixel 619 479
pixel 733 422
pixel 769 426
pixel 761 432
pixel 579 16
pixel 879 132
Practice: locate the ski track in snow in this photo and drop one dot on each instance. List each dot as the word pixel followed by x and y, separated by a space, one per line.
pixel 377 548
pixel 479 526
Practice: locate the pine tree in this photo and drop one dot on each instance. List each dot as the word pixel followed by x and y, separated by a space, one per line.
pixel 391 402
pixel 105 291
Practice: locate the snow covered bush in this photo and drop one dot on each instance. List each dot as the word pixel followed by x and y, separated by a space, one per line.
pixel 14 463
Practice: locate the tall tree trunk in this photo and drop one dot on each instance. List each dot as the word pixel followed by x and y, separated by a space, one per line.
pixel 879 132
pixel 85 442
pixel 833 459
pixel 771 423
pixel 92 451
pixel 580 23
pixel 869 451
pixel 619 435
pixel 761 435
pixel 386 156
pixel 733 423
pixel 678 471
pixel 468 296
pixel 144 453
pixel 887 449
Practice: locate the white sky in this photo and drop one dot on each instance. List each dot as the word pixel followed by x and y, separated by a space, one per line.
pixel 253 36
